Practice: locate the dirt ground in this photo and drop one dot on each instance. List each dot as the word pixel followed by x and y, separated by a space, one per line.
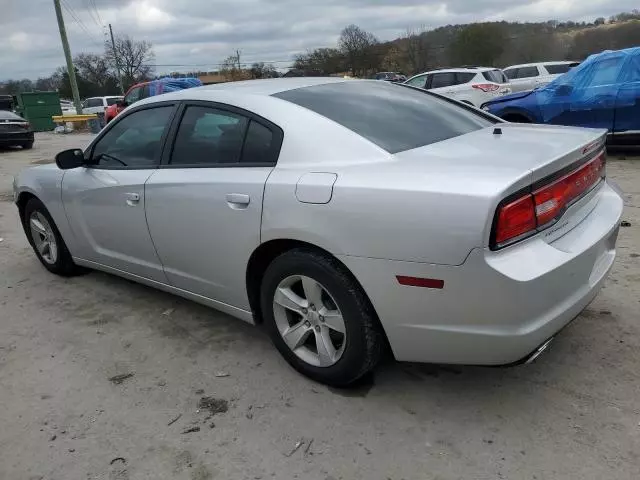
pixel 101 378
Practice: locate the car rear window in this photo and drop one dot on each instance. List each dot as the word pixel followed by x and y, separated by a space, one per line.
pixel 560 68
pixel 495 76
pixel 7 115
pixel 394 117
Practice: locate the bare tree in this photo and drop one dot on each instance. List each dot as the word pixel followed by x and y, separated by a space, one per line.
pixel 357 46
pixel 262 70
pixel 95 69
pixel 135 59
pixel 232 68
pixel 416 49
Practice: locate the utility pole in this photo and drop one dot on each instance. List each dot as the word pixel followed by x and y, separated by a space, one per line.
pixel 115 57
pixel 67 53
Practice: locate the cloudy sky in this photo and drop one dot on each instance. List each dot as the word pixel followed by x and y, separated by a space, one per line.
pixel 198 34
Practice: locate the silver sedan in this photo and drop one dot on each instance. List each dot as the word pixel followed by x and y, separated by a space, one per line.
pixel 346 216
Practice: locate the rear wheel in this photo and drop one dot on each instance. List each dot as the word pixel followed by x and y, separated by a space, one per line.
pixel 319 318
pixel 47 243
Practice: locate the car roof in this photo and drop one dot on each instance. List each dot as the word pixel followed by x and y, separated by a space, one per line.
pixel 459 70
pixel 269 86
pixel 535 64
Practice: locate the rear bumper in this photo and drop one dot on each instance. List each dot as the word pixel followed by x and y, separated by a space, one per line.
pixel 15 138
pixel 497 307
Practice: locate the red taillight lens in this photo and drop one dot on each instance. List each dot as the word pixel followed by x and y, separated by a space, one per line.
pixel 486 87
pixel 537 210
pixel 515 218
pixel 552 199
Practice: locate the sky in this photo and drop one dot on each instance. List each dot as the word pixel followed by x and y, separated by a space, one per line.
pixel 199 34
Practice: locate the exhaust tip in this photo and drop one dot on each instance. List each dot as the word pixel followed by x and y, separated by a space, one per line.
pixel 539 351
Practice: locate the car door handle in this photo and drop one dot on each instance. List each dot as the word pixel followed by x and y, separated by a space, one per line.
pixel 132 199
pixel 238 200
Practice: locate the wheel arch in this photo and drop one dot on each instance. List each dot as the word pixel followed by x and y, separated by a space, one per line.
pixel 21 202
pixel 266 252
pixel 513 114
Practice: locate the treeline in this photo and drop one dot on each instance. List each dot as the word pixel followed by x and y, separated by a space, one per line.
pixel 497 44
pixel 96 74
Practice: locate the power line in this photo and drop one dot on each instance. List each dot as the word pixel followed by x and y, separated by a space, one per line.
pixel 80 23
pixel 93 2
pixel 91 14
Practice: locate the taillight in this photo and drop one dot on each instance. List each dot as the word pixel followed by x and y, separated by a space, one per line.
pixel 536 210
pixel 486 87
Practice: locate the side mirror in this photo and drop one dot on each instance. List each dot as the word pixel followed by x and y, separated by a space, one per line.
pixel 68 159
pixel 564 90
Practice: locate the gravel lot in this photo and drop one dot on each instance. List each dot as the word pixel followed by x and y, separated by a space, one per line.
pixel 573 414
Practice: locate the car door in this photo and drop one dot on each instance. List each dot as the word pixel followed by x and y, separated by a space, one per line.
pixel 104 201
pixel 589 100
pixel 627 114
pixel 204 204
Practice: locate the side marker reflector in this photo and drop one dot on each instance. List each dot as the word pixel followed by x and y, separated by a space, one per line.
pixel 420 282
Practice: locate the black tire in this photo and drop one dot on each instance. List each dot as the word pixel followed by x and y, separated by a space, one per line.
pixel 364 338
pixel 63 265
pixel 27 145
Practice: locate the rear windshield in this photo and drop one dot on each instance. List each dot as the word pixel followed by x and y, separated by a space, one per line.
pixel 394 117
pixel 7 115
pixel 560 68
pixel 495 76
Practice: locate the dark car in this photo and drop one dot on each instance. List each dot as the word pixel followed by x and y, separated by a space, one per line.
pixel 601 92
pixel 15 130
pixel 390 77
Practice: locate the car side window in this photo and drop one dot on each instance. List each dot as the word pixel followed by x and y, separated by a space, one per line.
pixel 258 144
pixel 94 102
pixel 605 72
pixel 208 135
pixel 133 95
pixel 464 77
pixel 440 80
pixel 135 141
pixel 511 73
pixel 145 92
pixel 528 72
pixel 417 81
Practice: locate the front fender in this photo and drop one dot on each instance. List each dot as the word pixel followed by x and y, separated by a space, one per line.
pixel 45 183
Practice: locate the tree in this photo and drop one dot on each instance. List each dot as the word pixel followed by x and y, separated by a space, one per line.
pixel 416 50
pixel 262 70
pixel 478 44
pixel 323 60
pixel 133 58
pixel 599 21
pixel 232 68
pixel 393 60
pixel 96 70
pixel 357 47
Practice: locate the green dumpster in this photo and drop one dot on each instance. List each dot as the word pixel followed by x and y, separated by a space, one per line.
pixel 38 108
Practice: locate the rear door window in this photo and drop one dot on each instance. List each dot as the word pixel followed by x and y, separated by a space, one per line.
pixel 464 77
pixel 394 117
pixel 559 68
pixel 511 73
pixel 440 80
pixel 527 72
pixel 417 81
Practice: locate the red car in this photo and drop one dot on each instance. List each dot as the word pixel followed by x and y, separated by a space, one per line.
pixel 149 89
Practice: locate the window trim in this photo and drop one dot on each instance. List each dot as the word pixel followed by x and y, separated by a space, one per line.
pixel 88 153
pixel 276 131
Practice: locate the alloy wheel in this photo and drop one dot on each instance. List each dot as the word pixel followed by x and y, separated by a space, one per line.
pixel 43 237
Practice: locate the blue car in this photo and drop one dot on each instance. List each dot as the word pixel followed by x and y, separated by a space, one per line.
pixel 601 92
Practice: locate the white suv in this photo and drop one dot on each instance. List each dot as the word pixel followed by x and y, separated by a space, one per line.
pixel 99 104
pixel 472 85
pixel 532 75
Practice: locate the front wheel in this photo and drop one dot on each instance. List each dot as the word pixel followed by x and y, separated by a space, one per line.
pixel 319 318
pixel 47 243
pixel 27 145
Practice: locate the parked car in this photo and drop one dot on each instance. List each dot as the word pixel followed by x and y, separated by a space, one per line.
pixel 149 89
pixel 601 92
pixel 99 104
pixel 472 85
pixel 15 130
pixel 528 76
pixel 390 77
pixel 345 215
pixel 67 107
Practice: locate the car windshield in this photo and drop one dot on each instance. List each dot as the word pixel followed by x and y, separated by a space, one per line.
pixel 394 117
pixel 113 100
